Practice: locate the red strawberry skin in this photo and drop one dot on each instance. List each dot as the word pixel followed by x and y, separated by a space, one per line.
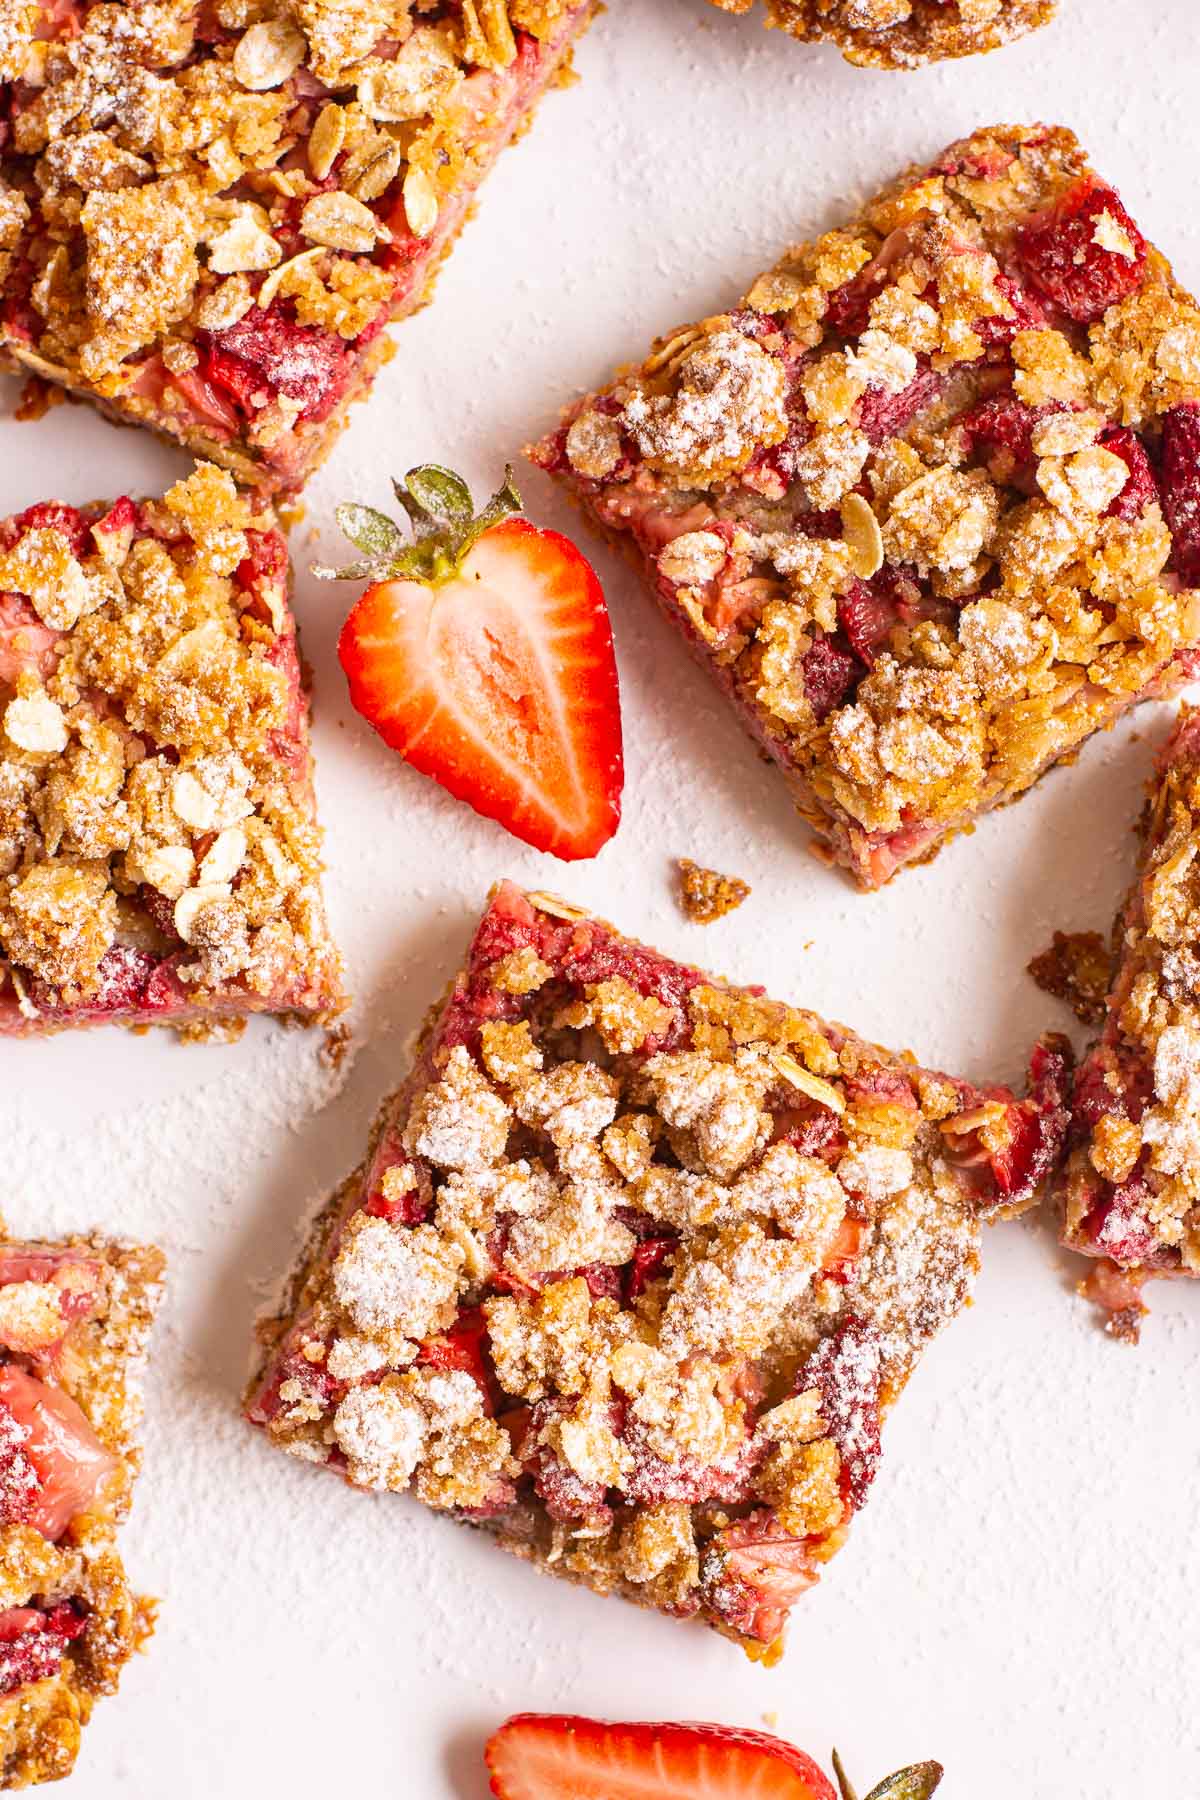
pixel 550 1756
pixel 501 684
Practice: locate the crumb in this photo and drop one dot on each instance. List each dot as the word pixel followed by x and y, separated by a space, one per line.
pixel 1076 968
pixel 705 896
pixel 336 1048
pixel 35 400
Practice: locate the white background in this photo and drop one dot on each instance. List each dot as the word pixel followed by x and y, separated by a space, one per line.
pixel 1019 1598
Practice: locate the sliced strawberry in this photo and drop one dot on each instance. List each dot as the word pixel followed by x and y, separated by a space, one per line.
pixel 545 1756
pixel 829 674
pixel 494 673
pixel 68 1458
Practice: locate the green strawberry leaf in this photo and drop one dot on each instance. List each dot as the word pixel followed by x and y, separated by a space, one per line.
pixel 367 570
pixel 918 1782
pixel 503 503
pixel 369 531
pixel 441 512
pixel 441 498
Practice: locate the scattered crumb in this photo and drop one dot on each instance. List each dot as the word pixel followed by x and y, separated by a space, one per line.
pixel 1116 1294
pixel 292 515
pixel 704 895
pixel 35 400
pixel 1076 968
pixel 770 1719
pixel 336 1048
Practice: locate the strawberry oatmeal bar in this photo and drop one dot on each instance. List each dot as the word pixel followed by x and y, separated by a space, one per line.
pixel 927 501
pixel 1130 1187
pixel 635 1265
pixel 74 1318
pixel 209 212
pixel 903 34
pixel 159 851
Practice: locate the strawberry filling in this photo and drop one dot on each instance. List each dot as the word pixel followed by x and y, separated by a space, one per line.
pixel 32 1643
pixel 68 1281
pixel 267 356
pixel 1085 253
pixel 44 1428
pixel 846 1370
pixel 752 1574
pixel 1181 489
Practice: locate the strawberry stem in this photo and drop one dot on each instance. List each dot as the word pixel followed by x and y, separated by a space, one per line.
pixel 444 524
pixel 920 1781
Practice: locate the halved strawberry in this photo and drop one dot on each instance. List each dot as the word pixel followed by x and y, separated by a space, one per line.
pixel 68 1458
pixel 482 652
pixel 547 1756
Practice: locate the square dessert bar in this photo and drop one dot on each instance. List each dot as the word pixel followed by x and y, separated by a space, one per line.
pixel 1130 1186
pixel 927 501
pixel 209 212
pixel 635 1264
pixel 159 851
pixel 903 34
pixel 74 1318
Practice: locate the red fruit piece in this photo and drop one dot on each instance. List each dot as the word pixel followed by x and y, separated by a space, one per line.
pixel 999 431
pixel 1142 486
pixel 75 1286
pixel 1084 253
pixel 882 414
pixel 266 354
pixel 541 1756
pixel 752 1574
pixel 870 609
pixel 463 1347
pixel 649 1261
pixel 1118 1226
pixel 493 672
pixel 829 674
pixel 25 643
pixel 566 1496
pixel 846 1369
pixel 1026 314
pixel 47 515
pixel 32 1643
pixel 70 1462
pixel 1037 1125
pixel 1181 489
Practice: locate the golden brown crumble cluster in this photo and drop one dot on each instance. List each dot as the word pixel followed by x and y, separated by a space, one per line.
pixel 76 1315
pixel 903 34
pixel 907 499
pixel 1131 1186
pixel 632 1260
pixel 154 789
pixel 705 895
pixel 174 170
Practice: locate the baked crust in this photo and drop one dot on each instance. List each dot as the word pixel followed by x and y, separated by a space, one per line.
pixel 210 212
pixel 159 851
pixel 923 501
pixel 109 1292
pixel 635 1264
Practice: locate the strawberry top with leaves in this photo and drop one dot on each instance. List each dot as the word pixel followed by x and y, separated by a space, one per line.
pixel 482 652
pixel 550 1756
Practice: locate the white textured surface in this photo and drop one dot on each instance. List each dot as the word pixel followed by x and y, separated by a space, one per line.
pixel 1019 1596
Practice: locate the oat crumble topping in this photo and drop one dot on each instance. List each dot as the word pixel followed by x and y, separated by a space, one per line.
pixel 636 1262
pixel 706 896
pixel 74 1321
pixel 903 34
pixel 209 212
pixel 159 857
pixel 927 497
pixel 1130 1188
